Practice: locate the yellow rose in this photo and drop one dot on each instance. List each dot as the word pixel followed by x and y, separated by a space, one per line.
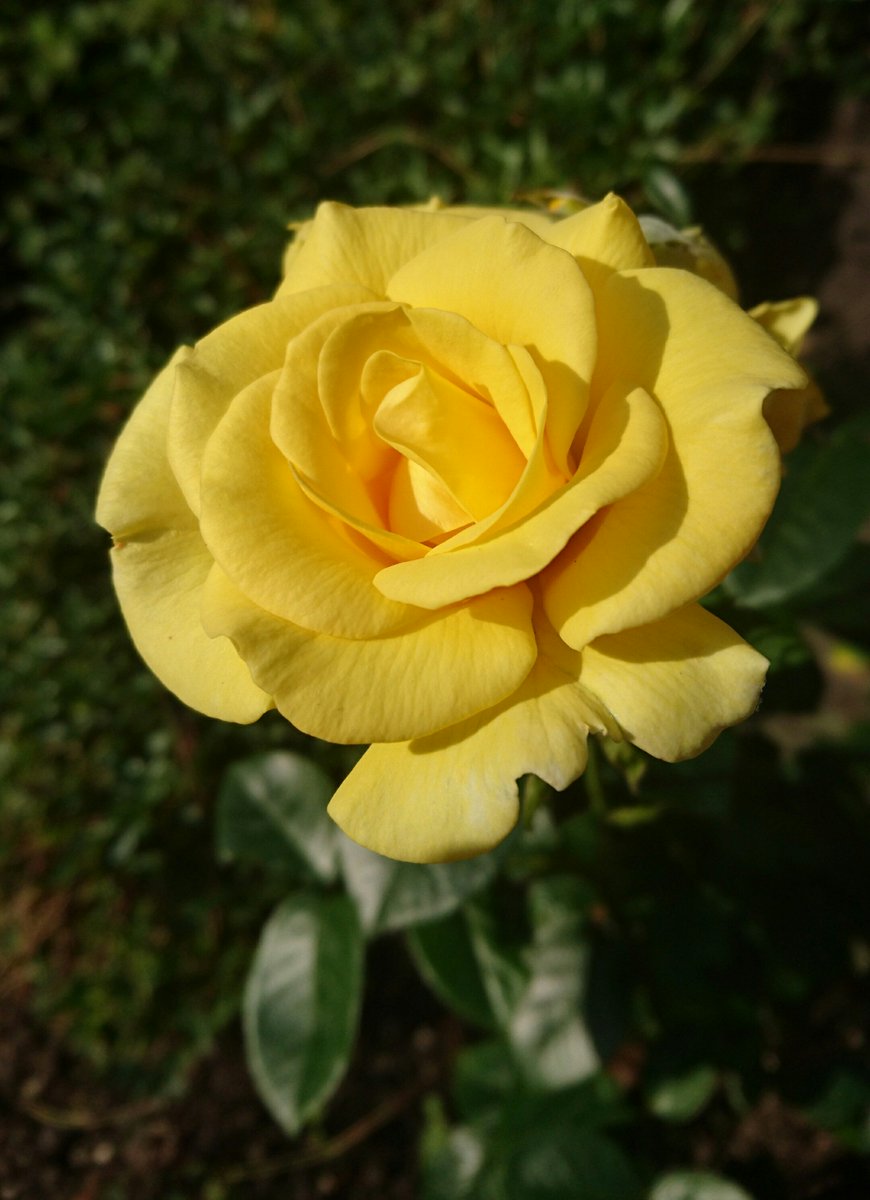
pixel 455 491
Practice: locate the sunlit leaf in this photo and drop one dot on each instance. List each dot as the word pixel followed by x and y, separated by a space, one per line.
pixel 272 809
pixel 301 1004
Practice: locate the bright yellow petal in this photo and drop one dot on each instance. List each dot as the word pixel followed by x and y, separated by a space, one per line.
pixel 241 350
pixel 428 675
pixel 624 448
pixel 280 548
pixel 457 436
pixel 485 366
pixel 519 291
pixel 364 246
pixel 603 238
pixel 454 795
pixel 160 563
pixel 710 367
pixel 675 684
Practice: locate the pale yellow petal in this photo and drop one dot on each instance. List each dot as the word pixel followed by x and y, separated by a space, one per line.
pixel 280 548
pixel 139 492
pixel 454 795
pixel 363 246
pixel 430 674
pixel 538 222
pixel 787 320
pixel 457 436
pixel 710 366
pixel 604 237
pixel 159 581
pixel 249 345
pixel 790 411
pixel 520 291
pixel 484 366
pixel 675 684
pixel 625 446
pixel 159 564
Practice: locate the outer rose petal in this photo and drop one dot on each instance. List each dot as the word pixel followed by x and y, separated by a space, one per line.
pixel 672 540
pixel 789 412
pixel 603 238
pixel 160 563
pixel 430 674
pixel 675 684
pixel 454 795
pixel 364 246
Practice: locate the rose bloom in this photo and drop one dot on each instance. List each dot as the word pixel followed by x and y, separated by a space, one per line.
pixel 455 491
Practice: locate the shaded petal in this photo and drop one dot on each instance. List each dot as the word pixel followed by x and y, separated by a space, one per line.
pixel 519 291
pixel 281 549
pixel 365 246
pixel 430 674
pixel 603 238
pixel 710 367
pixel 454 795
pixel 625 446
pixel 675 684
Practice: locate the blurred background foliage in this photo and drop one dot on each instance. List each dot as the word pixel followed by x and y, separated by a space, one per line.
pixel 154 152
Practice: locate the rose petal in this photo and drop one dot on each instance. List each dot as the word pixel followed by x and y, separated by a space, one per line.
pixel 603 238
pixel 454 795
pixel 428 675
pixel 673 685
pixel 789 411
pixel 710 367
pixel 160 563
pixel 517 290
pixel 625 447
pixel 228 359
pixel 282 550
pixel 365 246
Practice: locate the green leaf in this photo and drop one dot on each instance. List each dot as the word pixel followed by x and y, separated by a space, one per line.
pixel 696 1185
pixel 824 501
pixel 272 809
pixel 536 981
pixel 681 1097
pixel 451 1164
pixel 484 1079
pixel 444 956
pixel 565 1163
pixel 394 895
pixel 667 194
pixel 301 1004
